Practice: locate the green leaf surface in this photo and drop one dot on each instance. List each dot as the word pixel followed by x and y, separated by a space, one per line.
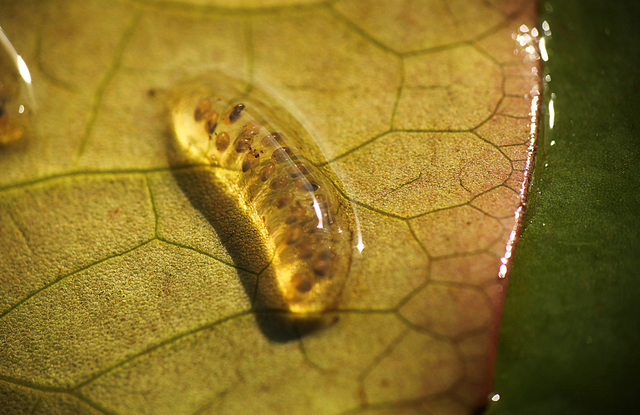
pixel 570 336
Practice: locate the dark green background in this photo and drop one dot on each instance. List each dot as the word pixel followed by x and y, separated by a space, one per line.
pixel 570 336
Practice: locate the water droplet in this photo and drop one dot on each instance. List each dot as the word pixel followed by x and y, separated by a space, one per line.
pixel 16 94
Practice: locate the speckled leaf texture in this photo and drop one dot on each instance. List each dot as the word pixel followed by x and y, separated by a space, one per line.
pixel 117 293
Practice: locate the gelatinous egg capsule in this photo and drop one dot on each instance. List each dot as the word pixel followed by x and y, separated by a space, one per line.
pixel 304 222
pixel 16 95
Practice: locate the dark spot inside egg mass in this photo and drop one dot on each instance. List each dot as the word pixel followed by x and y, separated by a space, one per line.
pixel 320 266
pixel 306 185
pixel 233 114
pixel 298 169
pixel 326 254
pixel 250 161
pixel 211 124
pixel 283 200
pixel 322 263
pixel 202 110
pixel 243 142
pixel 278 183
pixel 293 234
pixel 222 141
pixel 280 154
pixel 268 141
pixel 267 171
pixel 277 136
pixel 252 127
pixel 302 282
pixel 150 93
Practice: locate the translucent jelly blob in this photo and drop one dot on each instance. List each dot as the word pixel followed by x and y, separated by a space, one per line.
pixel 261 156
pixel 16 95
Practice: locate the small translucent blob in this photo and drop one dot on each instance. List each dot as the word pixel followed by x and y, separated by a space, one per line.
pixel 16 95
pixel 263 165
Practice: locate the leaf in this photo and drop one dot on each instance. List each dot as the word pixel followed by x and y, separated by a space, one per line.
pixel 569 336
pixel 129 280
